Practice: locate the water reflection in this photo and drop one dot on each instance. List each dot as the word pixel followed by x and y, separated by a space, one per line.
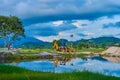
pixel 68 64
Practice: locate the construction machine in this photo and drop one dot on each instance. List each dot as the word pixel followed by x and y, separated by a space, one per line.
pixel 62 48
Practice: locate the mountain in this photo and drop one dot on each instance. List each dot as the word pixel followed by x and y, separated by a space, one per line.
pixel 36 45
pixel 31 42
pixel 27 39
pixel 105 40
pixel 100 41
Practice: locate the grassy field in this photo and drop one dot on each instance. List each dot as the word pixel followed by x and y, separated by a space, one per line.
pixel 38 50
pixel 96 50
pixel 31 54
pixel 34 51
pixel 15 73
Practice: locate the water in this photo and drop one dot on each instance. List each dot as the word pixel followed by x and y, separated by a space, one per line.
pixel 94 64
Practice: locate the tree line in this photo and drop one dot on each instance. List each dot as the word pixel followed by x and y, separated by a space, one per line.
pixel 11 29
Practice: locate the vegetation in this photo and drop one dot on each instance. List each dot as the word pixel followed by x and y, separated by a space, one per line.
pixel 15 73
pixel 34 51
pixel 92 50
pixel 11 29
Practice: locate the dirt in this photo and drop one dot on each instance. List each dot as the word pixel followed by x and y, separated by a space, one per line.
pixel 112 51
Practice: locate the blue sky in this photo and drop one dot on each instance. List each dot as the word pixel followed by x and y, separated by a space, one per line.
pixel 54 19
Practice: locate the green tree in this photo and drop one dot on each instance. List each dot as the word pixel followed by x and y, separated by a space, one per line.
pixel 11 28
pixel 103 46
pixel 3 28
pixel 15 30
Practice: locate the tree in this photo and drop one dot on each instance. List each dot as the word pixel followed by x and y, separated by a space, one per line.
pixel 15 30
pixel 3 28
pixel 103 46
pixel 11 29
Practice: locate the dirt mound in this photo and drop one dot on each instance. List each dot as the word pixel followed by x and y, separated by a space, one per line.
pixel 112 51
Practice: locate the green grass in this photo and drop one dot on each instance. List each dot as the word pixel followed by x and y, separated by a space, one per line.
pixel 33 51
pixel 15 73
pixel 91 50
pixel 37 51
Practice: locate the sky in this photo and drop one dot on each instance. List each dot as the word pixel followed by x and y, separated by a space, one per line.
pixel 47 20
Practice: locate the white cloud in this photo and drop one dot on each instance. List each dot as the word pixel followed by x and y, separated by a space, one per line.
pixel 57 23
pixel 79 23
pixel 88 33
pixel 62 35
pixel 92 29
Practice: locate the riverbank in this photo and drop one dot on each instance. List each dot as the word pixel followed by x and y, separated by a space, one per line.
pixel 15 73
pixel 28 54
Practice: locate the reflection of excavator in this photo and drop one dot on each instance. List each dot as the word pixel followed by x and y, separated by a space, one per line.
pixel 62 48
pixel 62 61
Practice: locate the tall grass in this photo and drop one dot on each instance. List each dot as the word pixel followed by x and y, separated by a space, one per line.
pixel 15 73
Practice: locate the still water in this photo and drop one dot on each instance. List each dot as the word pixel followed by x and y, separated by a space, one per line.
pixel 94 64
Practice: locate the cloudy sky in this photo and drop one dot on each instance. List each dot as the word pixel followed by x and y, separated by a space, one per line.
pixel 53 19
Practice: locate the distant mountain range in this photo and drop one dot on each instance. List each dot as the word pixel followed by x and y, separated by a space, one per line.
pixel 105 40
pixel 102 40
pixel 29 42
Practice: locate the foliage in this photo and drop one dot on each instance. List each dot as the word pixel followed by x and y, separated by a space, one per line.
pixel 10 29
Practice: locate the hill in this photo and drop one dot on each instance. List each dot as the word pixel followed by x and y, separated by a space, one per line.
pixel 31 42
pixel 101 40
pixel 105 40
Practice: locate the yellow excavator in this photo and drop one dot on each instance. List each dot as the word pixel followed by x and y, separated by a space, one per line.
pixel 62 48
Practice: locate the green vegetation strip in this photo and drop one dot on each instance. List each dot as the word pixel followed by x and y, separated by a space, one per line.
pixel 96 50
pixel 34 51
pixel 15 73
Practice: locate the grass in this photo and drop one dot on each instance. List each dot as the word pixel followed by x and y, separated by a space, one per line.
pixel 15 73
pixel 30 54
pixel 36 51
pixel 94 50
pixel 33 51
